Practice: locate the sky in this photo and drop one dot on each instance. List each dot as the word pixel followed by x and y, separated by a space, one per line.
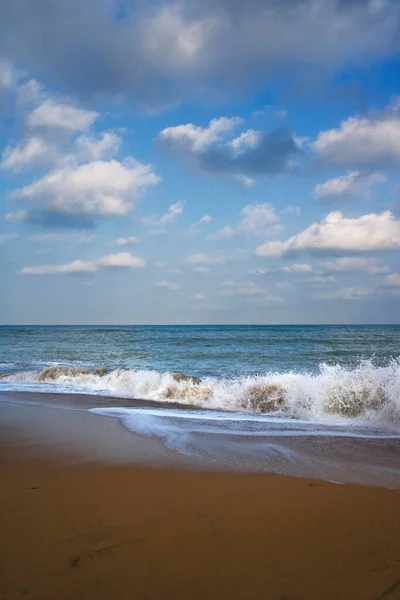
pixel 185 162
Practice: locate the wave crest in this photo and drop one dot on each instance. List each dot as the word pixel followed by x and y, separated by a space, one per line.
pixel 365 391
pixel 53 373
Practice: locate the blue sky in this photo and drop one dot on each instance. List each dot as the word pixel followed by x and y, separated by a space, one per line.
pixel 214 162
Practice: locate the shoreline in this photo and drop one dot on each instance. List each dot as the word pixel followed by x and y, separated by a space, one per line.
pixel 65 423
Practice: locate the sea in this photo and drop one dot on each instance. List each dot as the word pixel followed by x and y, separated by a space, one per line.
pixel 319 401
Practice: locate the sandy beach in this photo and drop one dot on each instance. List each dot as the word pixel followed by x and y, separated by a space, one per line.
pixel 74 527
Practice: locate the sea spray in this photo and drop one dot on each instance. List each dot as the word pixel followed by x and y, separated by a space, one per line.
pixel 366 391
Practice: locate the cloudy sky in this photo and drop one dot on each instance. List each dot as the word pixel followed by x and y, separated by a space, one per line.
pixel 200 162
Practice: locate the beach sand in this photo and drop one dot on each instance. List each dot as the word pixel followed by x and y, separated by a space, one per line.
pixel 76 528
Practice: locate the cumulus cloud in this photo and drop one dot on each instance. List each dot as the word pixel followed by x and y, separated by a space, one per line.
pixel 338 234
pixel 369 142
pixel 188 49
pixel 354 184
pixel 223 233
pixel 197 138
pixel 351 264
pixel 54 115
pixel 213 150
pixel 31 151
pixel 256 219
pixel 112 261
pixel 85 182
pixel 78 194
pixel 121 241
pixel 91 147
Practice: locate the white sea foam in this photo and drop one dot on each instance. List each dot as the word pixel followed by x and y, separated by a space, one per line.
pixel 171 424
pixel 345 452
pixel 366 393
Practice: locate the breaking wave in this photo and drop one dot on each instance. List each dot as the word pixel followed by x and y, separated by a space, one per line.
pixel 367 391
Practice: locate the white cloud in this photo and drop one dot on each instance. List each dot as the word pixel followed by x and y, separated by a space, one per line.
pixel 297 268
pixel 193 138
pixel 257 218
pixel 347 293
pixel 198 225
pixel 31 151
pixel 122 259
pixel 51 114
pixel 352 185
pixel 197 297
pixel 210 150
pixel 128 241
pixel 204 220
pixel 203 260
pixel 173 211
pixel 224 233
pixel 162 53
pixel 7 237
pixel 371 142
pixel 90 147
pixel 337 234
pixel 247 139
pixel 112 261
pixel 95 189
pixel 393 279
pixel 158 223
pixel 168 285
pixel 350 264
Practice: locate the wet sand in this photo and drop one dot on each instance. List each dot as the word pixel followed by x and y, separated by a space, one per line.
pixel 74 527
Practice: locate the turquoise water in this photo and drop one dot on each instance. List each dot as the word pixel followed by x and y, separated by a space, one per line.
pixel 314 373
pixel 321 401
pixel 206 351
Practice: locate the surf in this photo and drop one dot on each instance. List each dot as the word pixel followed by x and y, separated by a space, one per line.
pixel 365 392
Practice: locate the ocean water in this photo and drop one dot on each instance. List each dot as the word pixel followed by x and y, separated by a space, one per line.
pixel 247 392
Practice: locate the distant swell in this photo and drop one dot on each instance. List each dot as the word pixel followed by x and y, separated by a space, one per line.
pixel 366 392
